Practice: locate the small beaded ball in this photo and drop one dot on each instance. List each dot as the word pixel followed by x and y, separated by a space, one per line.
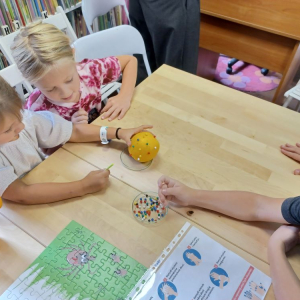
pixel 144 147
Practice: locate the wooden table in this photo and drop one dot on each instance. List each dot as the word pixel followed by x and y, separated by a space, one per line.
pixel 211 138
pixel 265 33
pixel 108 214
pixel 17 249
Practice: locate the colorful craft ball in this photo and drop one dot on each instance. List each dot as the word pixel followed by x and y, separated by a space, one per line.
pixel 144 147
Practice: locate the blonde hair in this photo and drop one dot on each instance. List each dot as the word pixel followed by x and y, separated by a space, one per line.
pixel 38 47
pixel 10 102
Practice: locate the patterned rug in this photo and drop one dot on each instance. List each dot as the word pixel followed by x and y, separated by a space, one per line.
pixel 245 77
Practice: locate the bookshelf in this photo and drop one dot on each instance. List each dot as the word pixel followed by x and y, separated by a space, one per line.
pixel 73 7
pixel 15 14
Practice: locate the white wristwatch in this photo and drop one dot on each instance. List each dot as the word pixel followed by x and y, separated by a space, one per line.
pixel 103 135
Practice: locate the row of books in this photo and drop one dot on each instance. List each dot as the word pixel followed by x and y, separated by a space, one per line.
pixel 66 4
pixel 17 13
pixel 113 18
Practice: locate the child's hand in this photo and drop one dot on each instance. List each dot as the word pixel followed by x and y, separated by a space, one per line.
pixel 172 190
pixel 292 152
pixel 126 134
pixel 80 117
pixel 95 181
pixel 285 236
pixel 115 107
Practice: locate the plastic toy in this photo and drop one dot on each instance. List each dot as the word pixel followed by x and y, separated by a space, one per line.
pixel 144 146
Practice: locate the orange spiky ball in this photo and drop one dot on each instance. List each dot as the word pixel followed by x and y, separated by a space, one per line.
pixel 144 146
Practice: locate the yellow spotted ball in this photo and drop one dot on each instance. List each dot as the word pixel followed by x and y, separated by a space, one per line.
pixel 144 147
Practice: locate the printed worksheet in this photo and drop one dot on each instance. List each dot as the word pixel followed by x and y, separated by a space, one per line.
pixel 199 268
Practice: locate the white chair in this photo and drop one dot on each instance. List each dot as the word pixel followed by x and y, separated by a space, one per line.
pixel 293 93
pixel 95 8
pixel 116 41
pixel 14 77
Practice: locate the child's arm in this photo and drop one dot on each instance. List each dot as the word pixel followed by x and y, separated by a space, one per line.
pixel 240 205
pixel 90 133
pixel 52 192
pixel 118 106
pixel 285 282
pixel 41 193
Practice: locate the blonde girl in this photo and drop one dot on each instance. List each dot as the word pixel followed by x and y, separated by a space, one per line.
pixel 43 54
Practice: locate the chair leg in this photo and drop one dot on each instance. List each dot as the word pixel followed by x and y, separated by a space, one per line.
pixel 288 101
pixel 230 64
pixel 264 71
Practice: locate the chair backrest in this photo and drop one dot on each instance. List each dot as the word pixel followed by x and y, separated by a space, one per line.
pixel 95 8
pixel 60 20
pixel 14 77
pixel 116 41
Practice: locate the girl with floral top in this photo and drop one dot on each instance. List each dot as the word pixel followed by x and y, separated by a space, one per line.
pixel 43 54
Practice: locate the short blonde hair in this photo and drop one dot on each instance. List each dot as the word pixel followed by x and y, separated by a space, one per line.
pixel 38 47
pixel 10 102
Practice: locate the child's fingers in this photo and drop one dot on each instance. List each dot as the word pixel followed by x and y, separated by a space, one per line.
pixel 80 112
pixel 292 155
pixel 81 122
pixel 297 172
pixel 142 128
pixel 108 113
pixel 114 114
pixel 290 149
pixel 122 114
pixel 163 180
pixel 106 107
pixel 81 119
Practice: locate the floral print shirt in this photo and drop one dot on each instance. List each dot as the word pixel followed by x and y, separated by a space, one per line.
pixel 93 73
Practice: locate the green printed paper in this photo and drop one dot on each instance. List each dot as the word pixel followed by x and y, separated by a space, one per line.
pixel 78 265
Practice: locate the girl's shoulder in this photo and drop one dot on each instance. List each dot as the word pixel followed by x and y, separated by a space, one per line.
pixel 36 101
pixel 89 66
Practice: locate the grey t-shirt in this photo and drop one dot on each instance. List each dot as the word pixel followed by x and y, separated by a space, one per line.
pixel 42 129
pixel 290 210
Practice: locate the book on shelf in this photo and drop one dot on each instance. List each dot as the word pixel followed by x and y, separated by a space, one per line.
pixel 15 14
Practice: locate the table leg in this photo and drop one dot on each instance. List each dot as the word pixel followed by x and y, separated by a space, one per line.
pixel 288 75
pixel 207 63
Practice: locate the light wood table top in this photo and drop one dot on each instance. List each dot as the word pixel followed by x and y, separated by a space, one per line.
pixel 107 213
pixel 17 250
pixel 213 138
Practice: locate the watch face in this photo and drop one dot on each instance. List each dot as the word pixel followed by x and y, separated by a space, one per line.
pixel 93 115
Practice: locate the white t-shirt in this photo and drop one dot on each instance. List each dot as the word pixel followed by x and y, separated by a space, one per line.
pixel 42 129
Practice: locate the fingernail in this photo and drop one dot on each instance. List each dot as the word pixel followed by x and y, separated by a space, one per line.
pixel 109 119
pixel 102 118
